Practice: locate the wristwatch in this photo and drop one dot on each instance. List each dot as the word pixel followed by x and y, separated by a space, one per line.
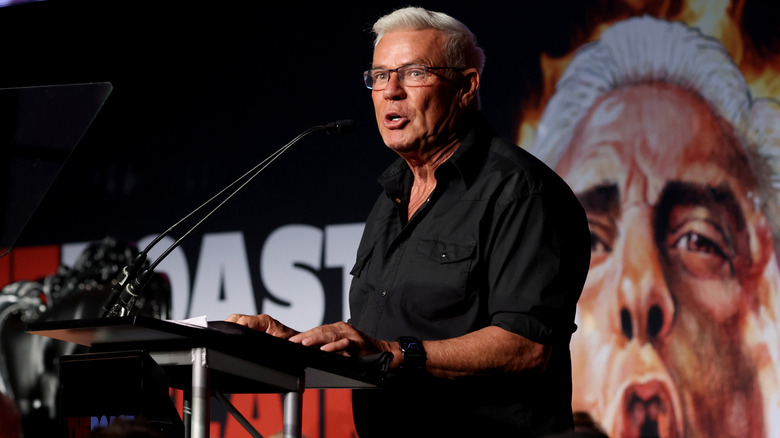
pixel 414 354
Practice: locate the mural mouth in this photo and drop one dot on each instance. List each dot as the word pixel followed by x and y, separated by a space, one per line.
pixel 648 411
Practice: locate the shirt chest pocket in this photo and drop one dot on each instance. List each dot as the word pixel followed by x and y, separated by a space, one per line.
pixel 440 288
pixel 445 252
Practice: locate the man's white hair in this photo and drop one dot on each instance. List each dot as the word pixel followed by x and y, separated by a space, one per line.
pixel 649 50
pixel 460 45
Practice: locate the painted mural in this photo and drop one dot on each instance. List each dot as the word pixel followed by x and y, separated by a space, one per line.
pixel 669 132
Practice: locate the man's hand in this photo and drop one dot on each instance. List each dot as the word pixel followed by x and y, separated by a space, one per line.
pixel 339 337
pixel 263 323
pixel 342 338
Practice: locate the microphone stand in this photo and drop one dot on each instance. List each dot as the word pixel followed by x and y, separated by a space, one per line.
pixel 134 277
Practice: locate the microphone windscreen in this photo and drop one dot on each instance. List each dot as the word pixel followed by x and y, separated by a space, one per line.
pixel 340 127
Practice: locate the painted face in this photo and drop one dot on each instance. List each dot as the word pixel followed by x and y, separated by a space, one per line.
pixel 415 119
pixel 680 257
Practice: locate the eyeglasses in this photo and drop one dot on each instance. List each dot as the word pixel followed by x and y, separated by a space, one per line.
pixel 412 75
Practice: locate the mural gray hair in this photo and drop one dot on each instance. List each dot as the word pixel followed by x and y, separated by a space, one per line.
pixel 460 45
pixel 645 50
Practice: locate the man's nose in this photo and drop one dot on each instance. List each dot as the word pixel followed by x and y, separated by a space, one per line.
pixel 394 89
pixel 645 304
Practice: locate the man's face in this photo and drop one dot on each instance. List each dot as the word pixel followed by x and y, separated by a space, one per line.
pixel 680 258
pixel 415 119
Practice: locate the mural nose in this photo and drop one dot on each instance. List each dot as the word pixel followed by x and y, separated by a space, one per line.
pixel 645 303
pixel 655 321
pixel 653 327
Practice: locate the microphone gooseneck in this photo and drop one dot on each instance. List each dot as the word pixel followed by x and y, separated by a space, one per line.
pixel 134 277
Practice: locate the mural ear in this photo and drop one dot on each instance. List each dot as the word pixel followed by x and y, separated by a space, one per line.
pixel 763 248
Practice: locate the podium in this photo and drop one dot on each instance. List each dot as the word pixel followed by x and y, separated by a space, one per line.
pixel 220 358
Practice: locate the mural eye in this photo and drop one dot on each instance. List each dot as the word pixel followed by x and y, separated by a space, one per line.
pixel 692 241
pixel 702 255
pixel 602 238
pixel 597 245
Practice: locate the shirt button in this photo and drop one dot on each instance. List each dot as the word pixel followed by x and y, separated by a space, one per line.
pixel 383 293
pixel 397 200
pixel 444 255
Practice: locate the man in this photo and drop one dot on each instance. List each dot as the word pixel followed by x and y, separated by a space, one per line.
pixel 471 262
pixel 655 129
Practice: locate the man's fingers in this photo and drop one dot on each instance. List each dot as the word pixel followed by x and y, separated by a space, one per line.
pixel 338 337
pixel 233 318
pixel 256 322
pixel 342 346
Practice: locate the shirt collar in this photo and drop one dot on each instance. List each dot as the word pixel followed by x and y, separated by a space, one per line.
pixel 470 156
pixel 464 163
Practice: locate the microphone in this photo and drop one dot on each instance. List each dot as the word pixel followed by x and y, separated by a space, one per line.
pixel 127 275
pixel 340 127
pixel 134 277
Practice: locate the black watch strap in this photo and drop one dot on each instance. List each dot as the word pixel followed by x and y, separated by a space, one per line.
pixel 414 354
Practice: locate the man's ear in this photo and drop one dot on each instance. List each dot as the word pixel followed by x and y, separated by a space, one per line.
pixel 469 98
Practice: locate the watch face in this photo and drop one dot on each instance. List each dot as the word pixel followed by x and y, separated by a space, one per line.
pixel 414 354
pixel 412 344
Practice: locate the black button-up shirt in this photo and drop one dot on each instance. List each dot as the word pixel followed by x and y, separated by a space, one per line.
pixel 501 241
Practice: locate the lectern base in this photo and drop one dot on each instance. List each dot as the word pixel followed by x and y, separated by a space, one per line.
pixel 98 388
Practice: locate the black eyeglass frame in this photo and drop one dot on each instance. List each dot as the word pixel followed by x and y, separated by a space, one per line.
pixel 368 77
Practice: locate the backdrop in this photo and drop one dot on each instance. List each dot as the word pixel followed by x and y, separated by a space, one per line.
pixel 681 303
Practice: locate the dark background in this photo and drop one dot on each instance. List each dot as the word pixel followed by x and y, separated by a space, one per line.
pixel 204 91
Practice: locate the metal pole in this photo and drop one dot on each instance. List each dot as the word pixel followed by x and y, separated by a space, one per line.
pixel 293 408
pixel 201 394
pixel 186 413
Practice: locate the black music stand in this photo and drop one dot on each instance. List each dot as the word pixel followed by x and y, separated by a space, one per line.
pixel 227 359
pixel 39 129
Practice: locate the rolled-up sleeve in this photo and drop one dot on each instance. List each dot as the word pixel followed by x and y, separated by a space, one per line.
pixel 537 262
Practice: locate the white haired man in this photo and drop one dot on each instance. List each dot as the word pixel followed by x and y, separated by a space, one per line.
pixel 471 262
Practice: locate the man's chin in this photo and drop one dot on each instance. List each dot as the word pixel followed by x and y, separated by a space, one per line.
pixel 399 144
